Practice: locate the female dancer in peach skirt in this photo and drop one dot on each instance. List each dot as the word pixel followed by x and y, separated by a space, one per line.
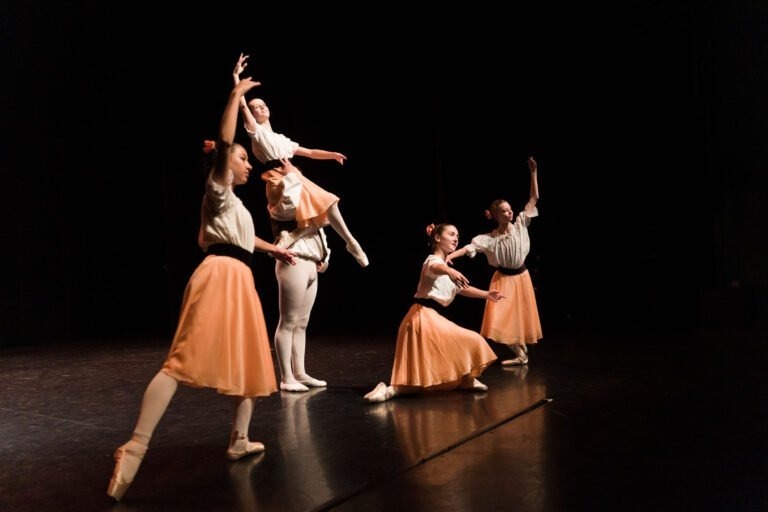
pixel 514 322
pixel 221 340
pixel 432 352
pixel 295 203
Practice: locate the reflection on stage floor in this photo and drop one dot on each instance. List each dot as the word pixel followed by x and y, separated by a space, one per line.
pixel 589 423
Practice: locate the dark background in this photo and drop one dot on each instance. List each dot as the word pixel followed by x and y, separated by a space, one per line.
pixel 648 124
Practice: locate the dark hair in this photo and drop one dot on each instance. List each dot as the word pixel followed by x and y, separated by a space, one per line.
pixel 435 230
pixel 490 213
pixel 211 150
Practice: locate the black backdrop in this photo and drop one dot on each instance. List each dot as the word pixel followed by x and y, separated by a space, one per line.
pixel 648 124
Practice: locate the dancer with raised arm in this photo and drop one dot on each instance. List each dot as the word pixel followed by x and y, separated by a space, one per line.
pixel 221 339
pixel 296 204
pixel 515 322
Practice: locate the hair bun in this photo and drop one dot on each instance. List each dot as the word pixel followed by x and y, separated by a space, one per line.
pixel 208 146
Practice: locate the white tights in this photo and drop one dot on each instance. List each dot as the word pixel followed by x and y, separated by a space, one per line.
pixel 157 397
pixel 338 224
pixel 297 289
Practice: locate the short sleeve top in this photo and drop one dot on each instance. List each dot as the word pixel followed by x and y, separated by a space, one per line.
pixel 268 145
pixel 437 287
pixel 224 218
pixel 508 250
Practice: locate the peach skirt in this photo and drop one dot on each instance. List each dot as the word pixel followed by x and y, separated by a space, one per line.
pixel 513 320
pixel 433 352
pixel 314 201
pixel 221 341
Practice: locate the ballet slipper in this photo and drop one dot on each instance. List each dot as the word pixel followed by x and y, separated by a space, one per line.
pixel 295 387
pixel 127 461
pixel 312 382
pixel 379 390
pixel 521 351
pixel 241 447
pixel 355 250
pixel 381 393
pixel 470 383
pixel 518 361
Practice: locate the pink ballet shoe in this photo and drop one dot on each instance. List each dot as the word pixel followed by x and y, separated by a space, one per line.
pixel 355 250
pixel 127 461
pixel 293 387
pixel 312 382
pixel 379 390
pixel 521 360
pixel 240 447
pixel 381 393
pixel 472 384
pixel 521 351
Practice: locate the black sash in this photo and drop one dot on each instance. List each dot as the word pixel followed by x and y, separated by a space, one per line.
pixel 430 303
pixel 511 271
pixel 231 250
pixel 271 164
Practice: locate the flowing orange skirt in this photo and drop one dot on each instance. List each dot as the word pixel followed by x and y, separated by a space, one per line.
pixel 314 201
pixel 513 320
pixel 433 352
pixel 221 340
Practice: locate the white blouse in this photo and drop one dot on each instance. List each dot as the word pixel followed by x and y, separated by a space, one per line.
pixel 268 145
pixel 224 218
pixel 508 250
pixel 437 287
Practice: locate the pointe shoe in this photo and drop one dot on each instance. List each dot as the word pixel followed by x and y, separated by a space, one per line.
pixel 355 250
pixel 295 387
pixel 521 351
pixel 127 461
pixel 241 447
pixel 312 382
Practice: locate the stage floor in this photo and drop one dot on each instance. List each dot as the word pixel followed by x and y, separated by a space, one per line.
pixel 618 422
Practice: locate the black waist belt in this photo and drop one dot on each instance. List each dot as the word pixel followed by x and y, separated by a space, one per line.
pixel 271 164
pixel 430 303
pixel 511 271
pixel 231 250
